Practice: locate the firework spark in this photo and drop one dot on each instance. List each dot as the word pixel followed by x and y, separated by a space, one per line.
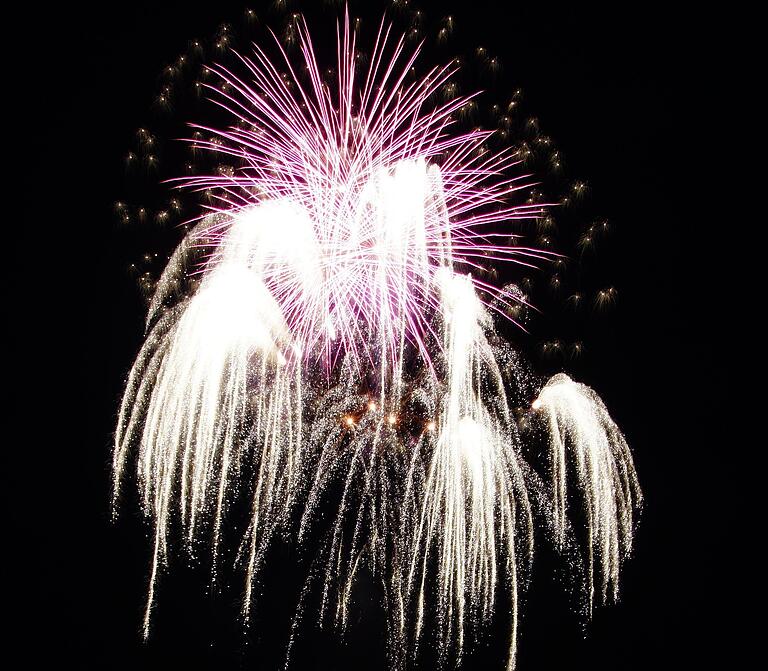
pixel 362 165
pixel 320 325
pixel 581 429
pixel 474 500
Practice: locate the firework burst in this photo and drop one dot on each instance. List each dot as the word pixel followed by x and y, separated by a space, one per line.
pixel 322 323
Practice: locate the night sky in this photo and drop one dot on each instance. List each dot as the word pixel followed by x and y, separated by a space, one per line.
pixel 622 96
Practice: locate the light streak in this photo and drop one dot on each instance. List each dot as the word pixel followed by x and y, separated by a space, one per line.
pixel 363 164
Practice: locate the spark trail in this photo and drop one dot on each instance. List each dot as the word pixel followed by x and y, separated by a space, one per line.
pixel 474 504
pixel 580 429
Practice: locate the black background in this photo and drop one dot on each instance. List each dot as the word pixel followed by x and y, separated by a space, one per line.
pixel 624 92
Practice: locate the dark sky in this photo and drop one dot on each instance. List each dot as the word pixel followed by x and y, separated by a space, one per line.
pixel 622 91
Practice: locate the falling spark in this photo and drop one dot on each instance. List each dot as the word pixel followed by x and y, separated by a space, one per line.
pixel 195 426
pixel 474 502
pixel 581 432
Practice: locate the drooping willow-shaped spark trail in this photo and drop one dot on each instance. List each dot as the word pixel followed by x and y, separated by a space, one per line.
pixel 336 339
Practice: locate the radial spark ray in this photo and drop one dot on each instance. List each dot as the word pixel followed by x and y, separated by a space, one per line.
pixel 361 164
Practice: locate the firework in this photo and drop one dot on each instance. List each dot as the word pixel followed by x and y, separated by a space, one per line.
pixel 579 427
pixel 474 498
pixel 323 329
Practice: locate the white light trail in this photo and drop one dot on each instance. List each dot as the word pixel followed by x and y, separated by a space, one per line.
pixel 582 433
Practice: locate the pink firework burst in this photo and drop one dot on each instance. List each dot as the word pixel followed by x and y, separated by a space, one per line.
pixel 376 190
